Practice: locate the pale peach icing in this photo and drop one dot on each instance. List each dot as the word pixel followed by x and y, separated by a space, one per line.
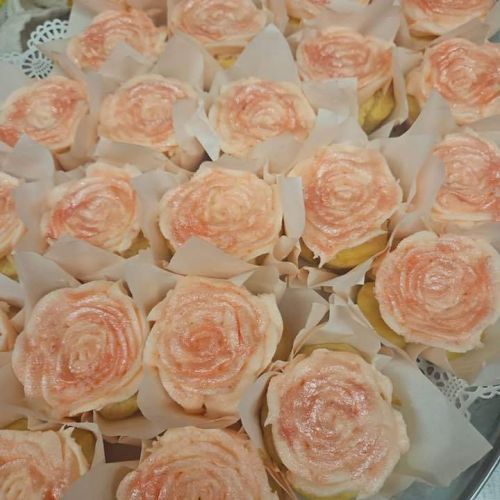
pixel 234 210
pixel 190 463
pixel 210 341
pixel 81 349
pixel 471 192
pixel 141 112
pixel 251 111
pixel 232 23
pixel 11 226
pixel 7 330
pixel 337 52
pixel 349 193
pixel 48 111
pixel 333 425
pixel 101 208
pixel 38 465
pixel 465 74
pixel 307 9
pixel 436 17
pixel 440 291
pixel 90 49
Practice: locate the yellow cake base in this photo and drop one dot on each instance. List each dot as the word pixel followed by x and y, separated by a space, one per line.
pixel 8 267
pixel 121 410
pixel 369 306
pixel 374 111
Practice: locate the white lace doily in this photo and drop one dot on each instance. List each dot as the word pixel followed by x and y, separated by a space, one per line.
pixel 32 61
pixel 37 65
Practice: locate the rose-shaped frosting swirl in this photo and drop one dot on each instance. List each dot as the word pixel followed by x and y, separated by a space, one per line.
pixel 231 23
pixel 11 227
pixel 101 208
pixel 471 191
pixel 250 111
pixel 90 49
pixel 234 210
pixel 307 9
pixel 333 425
pixel 38 465
pixel 140 112
pixel 81 349
pixel 349 193
pixel 436 17
pixel 7 330
pixel 342 53
pixel 465 74
pixel 210 341
pixel 48 111
pixel 440 291
pixel 188 463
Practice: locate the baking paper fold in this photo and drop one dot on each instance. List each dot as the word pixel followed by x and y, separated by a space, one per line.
pixel 150 285
pixel 442 442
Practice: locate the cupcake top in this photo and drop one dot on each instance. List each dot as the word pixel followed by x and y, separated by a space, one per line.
pixel 210 341
pixel 141 112
pixel 436 17
pixel 222 26
pixel 90 49
pixel 101 208
pixel 307 9
pixel 81 349
pixel 465 74
pixel 11 227
pixel 333 426
pixel 337 52
pixel 349 193
pixel 193 463
pixel 7 330
pixel 233 210
pixel 471 190
pixel 440 291
pixel 48 111
pixel 41 464
pixel 251 111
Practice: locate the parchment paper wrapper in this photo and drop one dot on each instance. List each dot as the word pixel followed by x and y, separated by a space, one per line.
pixel 150 285
pixel 442 442
pixel 475 30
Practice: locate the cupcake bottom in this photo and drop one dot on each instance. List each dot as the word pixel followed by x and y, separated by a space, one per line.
pixel 350 257
pixel 413 109
pixel 375 110
pixel 85 439
pixel 140 243
pixel 120 410
pixel 8 267
pixel 226 61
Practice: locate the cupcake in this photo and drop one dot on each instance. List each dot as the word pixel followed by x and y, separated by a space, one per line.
pixel 329 421
pixel 248 112
pixel 349 195
pixel 223 27
pixel 465 74
pixel 11 226
pixel 81 350
pixel 48 111
pixel 233 210
pixel 198 463
pixel 101 208
pixel 90 49
pixel 337 52
pixel 470 193
pixel 437 291
pixel 39 464
pixel 432 18
pixel 141 112
pixel 210 341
